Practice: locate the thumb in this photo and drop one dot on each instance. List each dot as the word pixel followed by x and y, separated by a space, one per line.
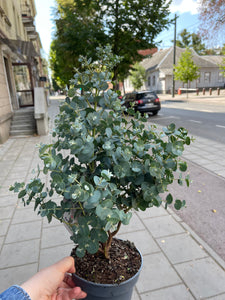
pixel 66 265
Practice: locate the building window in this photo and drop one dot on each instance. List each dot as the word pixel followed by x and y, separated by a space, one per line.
pixel 153 80
pixel 199 78
pixel 149 81
pixel 207 77
pixel 221 77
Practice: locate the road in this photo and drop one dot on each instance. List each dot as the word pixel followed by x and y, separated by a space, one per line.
pixel 205 197
pixel 203 120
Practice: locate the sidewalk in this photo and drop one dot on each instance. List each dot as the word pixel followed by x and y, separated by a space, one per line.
pixel 193 97
pixel 178 265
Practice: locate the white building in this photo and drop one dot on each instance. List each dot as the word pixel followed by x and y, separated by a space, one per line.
pixel 159 72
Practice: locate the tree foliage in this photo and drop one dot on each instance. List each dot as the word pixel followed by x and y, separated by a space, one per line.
pixel 222 66
pixel 212 16
pixel 127 26
pixel 138 76
pixel 186 70
pixel 190 40
pixel 77 33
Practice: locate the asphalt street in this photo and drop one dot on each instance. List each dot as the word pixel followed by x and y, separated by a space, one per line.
pixel 205 197
pixel 204 121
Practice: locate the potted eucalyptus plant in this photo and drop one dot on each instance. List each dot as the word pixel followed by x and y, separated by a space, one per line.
pixel 104 163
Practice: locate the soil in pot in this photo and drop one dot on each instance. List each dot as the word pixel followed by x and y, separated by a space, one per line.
pixel 124 263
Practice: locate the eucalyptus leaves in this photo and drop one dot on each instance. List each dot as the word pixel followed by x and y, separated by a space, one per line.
pixel 103 163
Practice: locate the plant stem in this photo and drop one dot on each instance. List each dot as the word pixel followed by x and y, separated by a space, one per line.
pixel 107 245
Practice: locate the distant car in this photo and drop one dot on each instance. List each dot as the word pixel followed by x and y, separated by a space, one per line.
pixel 144 102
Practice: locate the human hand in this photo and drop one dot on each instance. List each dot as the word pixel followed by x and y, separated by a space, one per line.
pixel 53 283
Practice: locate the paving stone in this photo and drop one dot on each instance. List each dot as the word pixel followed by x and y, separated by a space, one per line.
pixel 152 212
pixel 24 232
pixel 4 224
pixel 54 236
pixel 4 190
pixel 1 241
pixel 51 255
pixel 6 212
pixel 24 214
pixel 134 225
pixel 8 200
pixel 19 253
pixel 53 223
pixel 156 273
pixel 204 277
pixel 135 295
pixel 16 275
pixel 186 248
pixel 142 240
pixel 221 173
pixel 163 226
pixel 177 292
pixel 219 297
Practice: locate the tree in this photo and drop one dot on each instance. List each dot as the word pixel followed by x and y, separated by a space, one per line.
pixel 127 26
pixel 138 75
pixel 222 66
pixel 76 34
pixel 186 70
pixel 190 40
pixel 212 17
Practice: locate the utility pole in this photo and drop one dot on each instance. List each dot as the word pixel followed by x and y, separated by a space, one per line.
pixel 174 52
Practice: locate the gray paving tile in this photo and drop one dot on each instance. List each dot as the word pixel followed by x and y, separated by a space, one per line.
pixel 4 224
pixel 51 255
pixel 53 223
pixel 177 292
pixel 152 212
pixel 204 277
pixel 219 297
pixel 15 176
pixel 213 167
pixel 135 295
pixel 16 275
pixel 8 200
pixel 156 273
pixel 134 225
pixel 24 232
pixel 4 190
pixel 54 236
pixel 6 212
pixel 181 248
pixel 221 173
pixel 25 215
pixel 163 226
pixel 1 241
pixel 19 253
pixel 142 240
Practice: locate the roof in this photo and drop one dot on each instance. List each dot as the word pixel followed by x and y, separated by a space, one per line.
pixel 163 59
pixel 146 52
pixel 218 59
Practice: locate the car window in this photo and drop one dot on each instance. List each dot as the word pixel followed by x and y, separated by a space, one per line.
pixel 145 96
pixel 130 97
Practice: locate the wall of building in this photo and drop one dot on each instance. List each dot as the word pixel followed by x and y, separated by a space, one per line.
pixel 13 28
pixel 5 103
pixel 153 81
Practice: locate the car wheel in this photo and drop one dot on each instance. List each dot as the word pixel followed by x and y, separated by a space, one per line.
pixel 155 112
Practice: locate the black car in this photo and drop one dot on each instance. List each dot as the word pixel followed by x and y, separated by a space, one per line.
pixel 144 102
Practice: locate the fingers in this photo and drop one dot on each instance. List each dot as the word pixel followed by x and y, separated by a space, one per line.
pixel 68 280
pixel 68 294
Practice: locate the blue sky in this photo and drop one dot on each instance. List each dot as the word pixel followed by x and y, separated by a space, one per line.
pixel 186 11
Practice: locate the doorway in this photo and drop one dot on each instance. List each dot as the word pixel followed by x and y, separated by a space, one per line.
pixel 24 84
